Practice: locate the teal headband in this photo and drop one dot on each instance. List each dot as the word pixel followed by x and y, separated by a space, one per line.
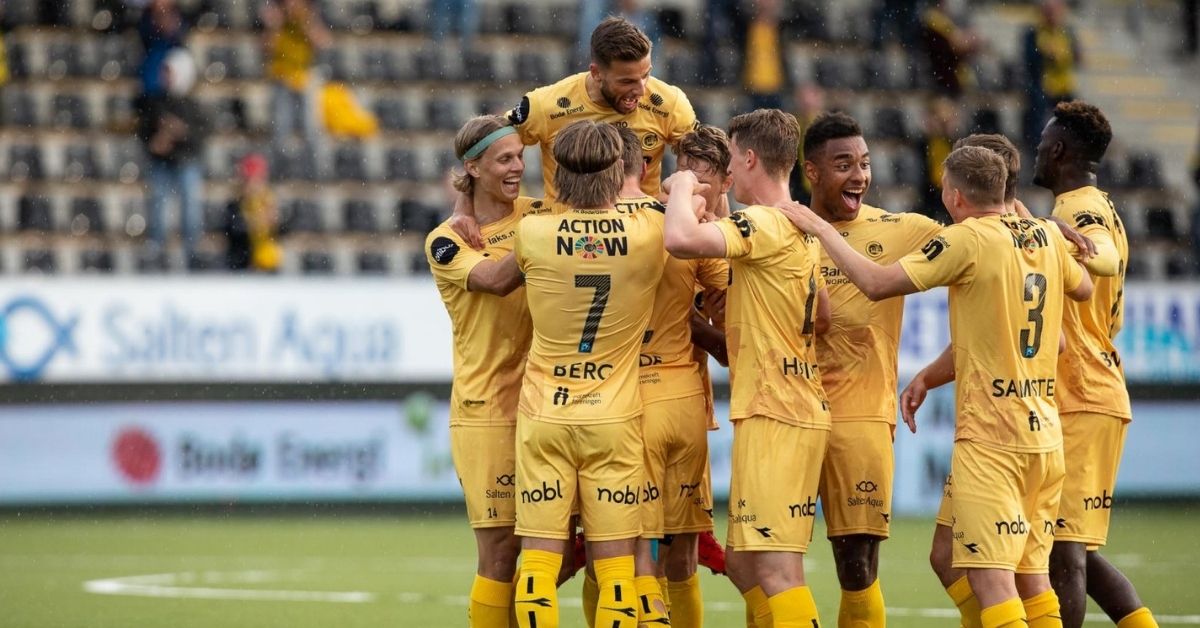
pixel 487 140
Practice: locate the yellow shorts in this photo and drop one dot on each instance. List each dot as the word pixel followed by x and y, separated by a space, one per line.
pixel 1092 446
pixel 601 464
pixel 1004 507
pixel 945 514
pixel 485 459
pixel 773 489
pixel 856 480
pixel 675 438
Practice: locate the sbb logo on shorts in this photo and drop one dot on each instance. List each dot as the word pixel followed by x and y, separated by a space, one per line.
pixel 544 494
pixel 627 495
pixel 1012 527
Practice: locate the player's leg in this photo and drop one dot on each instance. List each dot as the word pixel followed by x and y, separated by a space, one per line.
pixel 485 460
pixel 740 565
pixel 1115 594
pixel 610 477
pixel 855 489
pixel 657 441
pixel 546 489
pixel 685 506
pixel 1042 608
pixel 1068 576
pixel 954 581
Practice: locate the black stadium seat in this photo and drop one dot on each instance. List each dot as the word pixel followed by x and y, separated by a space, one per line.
pixel 359 216
pixel 479 65
pixel 392 113
pixel 79 162
pixel 25 162
pixel 87 216
pixel 96 260
pixel 40 260
pixel 69 110
pixel 35 213
pixel 349 163
pixel 302 216
pixel 373 263
pixel 18 109
pixel 316 263
pixel 891 123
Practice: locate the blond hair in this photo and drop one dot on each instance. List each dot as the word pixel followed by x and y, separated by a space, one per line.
pixel 589 170
pixel 773 135
pixel 978 173
pixel 1008 152
pixel 707 144
pixel 468 135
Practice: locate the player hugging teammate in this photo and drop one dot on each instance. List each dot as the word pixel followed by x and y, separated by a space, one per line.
pixel 580 386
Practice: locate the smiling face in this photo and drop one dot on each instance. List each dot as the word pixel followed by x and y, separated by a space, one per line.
pixel 840 173
pixel 622 83
pixel 499 169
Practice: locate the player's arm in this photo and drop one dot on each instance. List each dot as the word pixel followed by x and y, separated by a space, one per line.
pixel 498 277
pixel 706 336
pixel 875 281
pixel 463 222
pixel 1082 291
pixel 938 373
pixel 1106 261
pixel 686 237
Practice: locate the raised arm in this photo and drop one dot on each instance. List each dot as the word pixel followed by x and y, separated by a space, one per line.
pixel 498 277
pixel 686 237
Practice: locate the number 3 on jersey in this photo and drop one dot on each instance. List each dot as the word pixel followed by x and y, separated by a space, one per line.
pixel 602 284
pixel 1035 290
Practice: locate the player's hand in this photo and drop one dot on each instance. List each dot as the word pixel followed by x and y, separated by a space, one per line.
pixel 1087 248
pixel 684 177
pixel 802 217
pixel 911 399
pixel 463 222
pixel 714 306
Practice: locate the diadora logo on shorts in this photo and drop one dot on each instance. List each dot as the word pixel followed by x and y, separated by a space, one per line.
pixel 627 495
pixel 546 493
pixel 1103 501
pixel 561 395
pixel 806 509
pixel 1016 526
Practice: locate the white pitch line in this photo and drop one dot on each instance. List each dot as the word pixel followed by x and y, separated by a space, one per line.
pixel 148 586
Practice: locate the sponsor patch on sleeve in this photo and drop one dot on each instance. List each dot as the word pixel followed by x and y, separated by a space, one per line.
pixel 520 113
pixel 443 250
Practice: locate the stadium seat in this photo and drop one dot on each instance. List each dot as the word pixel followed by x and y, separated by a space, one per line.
pixel 35 213
pixel 216 216
pixel 431 66
pixel 891 123
pixel 40 261
pixel 349 163
pixel 151 261
pixel 359 216
pixel 373 263
pixel 116 58
pixel 392 113
pixel 316 263
pixel 682 69
pixel 25 162
pixel 442 113
pixel 1145 171
pixel 18 109
pixel 18 60
pixel 1160 224
pixel 96 260
pixel 68 59
pixel 377 65
pixel 228 114
pixel 218 13
pixel 906 166
pixel 401 165
pixel 222 62
pixel 87 216
pixel 532 68
pixel 478 65
pixel 79 162
pixel 302 216
pixel 207 261
pixel 119 114
pixel 69 110
pixel 986 120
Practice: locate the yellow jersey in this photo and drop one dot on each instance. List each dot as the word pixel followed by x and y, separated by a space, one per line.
pixel 1007 279
pixel 668 369
pixel 491 333
pixel 858 354
pixel 1093 379
pixel 704 305
pixel 770 316
pixel 590 278
pixel 662 117
pixel 292 56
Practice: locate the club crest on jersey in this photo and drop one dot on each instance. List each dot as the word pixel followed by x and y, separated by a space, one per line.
pixel 874 249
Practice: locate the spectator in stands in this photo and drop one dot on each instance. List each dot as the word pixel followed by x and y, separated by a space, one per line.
pixel 725 23
pixel 949 45
pixel 900 18
pixel 252 221
pixel 459 16
pixel 173 128
pixel 765 74
pixel 809 102
pixel 1051 53
pixel 293 33
pixel 1190 16
pixel 941 129
pixel 162 29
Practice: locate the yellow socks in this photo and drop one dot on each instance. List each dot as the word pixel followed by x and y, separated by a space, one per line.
pixel 1042 610
pixel 1007 614
pixel 1141 618
pixel 591 597
pixel 663 585
pixel 794 608
pixel 651 607
pixel 758 609
pixel 490 601
pixel 862 609
pixel 537 593
pixel 618 605
pixel 968 605
pixel 687 607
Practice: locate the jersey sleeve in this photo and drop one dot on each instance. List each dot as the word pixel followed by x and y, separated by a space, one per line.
pixel 713 273
pixel 1091 222
pixel 450 259
pixel 947 259
pixel 526 119
pixel 1072 273
pixel 683 118
pixel 918 229
pixel 744 233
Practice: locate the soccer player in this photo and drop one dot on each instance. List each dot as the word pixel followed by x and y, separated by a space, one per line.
pixel 1009 273
pixel 858 362
pixel 780 415
pixel 492 331
pixel 590 276
pixel 617 88
pixel 1092 397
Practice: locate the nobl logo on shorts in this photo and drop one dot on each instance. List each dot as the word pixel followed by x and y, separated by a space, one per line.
pixel 627 495
pixel 544 494
pixel 1017 526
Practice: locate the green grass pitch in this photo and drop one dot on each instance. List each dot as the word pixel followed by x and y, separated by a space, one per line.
pixel 405 570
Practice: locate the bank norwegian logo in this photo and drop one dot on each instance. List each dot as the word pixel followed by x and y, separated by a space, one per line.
pixel 137 456
pixel 26 317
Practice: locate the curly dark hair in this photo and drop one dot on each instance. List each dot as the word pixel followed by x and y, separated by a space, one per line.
pixel 833 125
pixel 1086 128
